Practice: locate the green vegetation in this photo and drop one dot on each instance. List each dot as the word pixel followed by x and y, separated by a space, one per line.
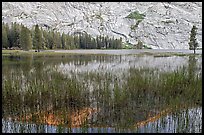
pixel 5 36
pixel 136 15
pixel 33 83
pixel 146 47
pixel 25 39
pixel 193 44
pixel 127 46
pixel 98 16
pixel 133 27
pixel 20 37
pixel 37 40
pixel 139 45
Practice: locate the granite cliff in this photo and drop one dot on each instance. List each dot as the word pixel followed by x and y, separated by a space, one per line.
pixel 160 25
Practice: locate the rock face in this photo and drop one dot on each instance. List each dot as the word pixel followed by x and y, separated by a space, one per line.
pixel 166 25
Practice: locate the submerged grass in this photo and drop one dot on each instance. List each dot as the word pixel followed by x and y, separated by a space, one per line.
pixel 123 102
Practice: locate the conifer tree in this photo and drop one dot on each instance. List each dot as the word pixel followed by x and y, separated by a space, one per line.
pixel 16 35
pixel 93 43
pixel 37 40
pixel 72 44
pixel 139 45
pixel 50 40
pixel 25 39
pixel 63 40
pixel 76 41
pixel 54 45
pixel 4 37
pixel 45 39
pixel 193 44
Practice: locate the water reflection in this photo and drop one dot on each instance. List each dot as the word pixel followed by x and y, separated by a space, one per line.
pixel 115 92
pixel 170 124
pixel 114 64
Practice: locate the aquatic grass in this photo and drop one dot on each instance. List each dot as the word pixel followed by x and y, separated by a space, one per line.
pixel 139 93
pixel 141 86
pixel 41 88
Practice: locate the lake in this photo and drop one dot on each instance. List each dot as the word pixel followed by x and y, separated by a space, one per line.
pixel 103 91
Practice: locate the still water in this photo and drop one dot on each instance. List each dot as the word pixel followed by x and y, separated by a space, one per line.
pixel 170 126
pixel 130 51
pixel 101 93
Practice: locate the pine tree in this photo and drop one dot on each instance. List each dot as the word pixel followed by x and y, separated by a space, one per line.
pixel 4 37
pixel 193 44
pixel 76 41
pixel 37 41
pixel 58 40
pixel 63 40
pixel 50 40
pixel 93 42
pixel 68 42
pixel 89 44
pixel 45 39
pixel 54 37
pixel 72 43
pixel 98 41
pixel 10 38
pixel 120 43
pixel 16 35
pixel 25 39
pixel 139 45
pixel 82 41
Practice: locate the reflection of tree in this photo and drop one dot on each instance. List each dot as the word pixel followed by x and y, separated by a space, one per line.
pixel 143 96
pixel 27 64
pixel 39 65
pixel 191 67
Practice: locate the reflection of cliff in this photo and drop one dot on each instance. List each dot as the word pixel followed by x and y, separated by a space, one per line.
pixel 152 118
pixel 79 118
pixel 72 119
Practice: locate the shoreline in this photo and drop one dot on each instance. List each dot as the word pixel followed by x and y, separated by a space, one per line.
pixel 155 52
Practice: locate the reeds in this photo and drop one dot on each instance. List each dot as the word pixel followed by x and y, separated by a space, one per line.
pixel 36 87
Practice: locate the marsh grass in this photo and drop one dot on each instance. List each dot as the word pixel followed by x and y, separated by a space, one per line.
pixel 141 93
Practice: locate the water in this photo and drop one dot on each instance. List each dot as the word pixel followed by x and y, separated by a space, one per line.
pixel 102 93
pixel 169 127
pixel 131 51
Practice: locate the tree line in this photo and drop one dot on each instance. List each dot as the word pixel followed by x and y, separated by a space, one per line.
pixel 19 36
